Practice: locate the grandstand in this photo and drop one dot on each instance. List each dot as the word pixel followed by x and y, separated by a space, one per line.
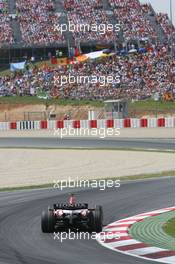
pixel 28 30
pixel 32 23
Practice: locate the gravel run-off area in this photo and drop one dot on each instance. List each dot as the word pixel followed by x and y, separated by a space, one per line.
pixel 24 167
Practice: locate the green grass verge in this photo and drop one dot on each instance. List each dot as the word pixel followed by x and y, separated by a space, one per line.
pixel 29 187
pixel 30 100
pixel 149 176
pixel 152 105
pixel 122 179
pixel 169 227
pixel 107 149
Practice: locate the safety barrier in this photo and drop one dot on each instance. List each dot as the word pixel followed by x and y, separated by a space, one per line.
pixel 127 122
pixel 13 125
pixel 93 124
pixel 168 122
pixel 25 125
pixel 143 122
pixel 60 124
pixel 44 124
pixel 4 126
pixel 110 123
pixel 118 123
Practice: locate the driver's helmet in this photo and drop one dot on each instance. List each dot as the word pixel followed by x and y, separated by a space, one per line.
pixel 72 199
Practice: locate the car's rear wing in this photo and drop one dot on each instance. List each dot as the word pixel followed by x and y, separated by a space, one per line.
pixel 70 207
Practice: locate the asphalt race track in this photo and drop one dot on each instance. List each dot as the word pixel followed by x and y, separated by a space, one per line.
pixel 158 144
pixel 22 242
pixel 21 239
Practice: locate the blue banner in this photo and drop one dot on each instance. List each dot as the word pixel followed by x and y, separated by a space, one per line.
pixel 17 66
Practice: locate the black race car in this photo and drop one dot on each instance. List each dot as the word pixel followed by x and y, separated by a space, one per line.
pixel 72 215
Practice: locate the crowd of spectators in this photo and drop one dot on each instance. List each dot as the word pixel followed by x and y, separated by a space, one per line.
pixel 141 76
pixel 130 14
pixel 91 14
pixel 37 22
pixel 162 19
pixel 6 34
pixel 166 24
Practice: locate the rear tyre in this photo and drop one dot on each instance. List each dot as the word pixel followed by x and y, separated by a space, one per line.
pixel 47 221
pixel 98 219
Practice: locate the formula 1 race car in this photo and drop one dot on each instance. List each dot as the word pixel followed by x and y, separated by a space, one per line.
pixel 72 215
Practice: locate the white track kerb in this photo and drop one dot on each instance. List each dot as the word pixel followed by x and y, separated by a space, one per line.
pixel 126 244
